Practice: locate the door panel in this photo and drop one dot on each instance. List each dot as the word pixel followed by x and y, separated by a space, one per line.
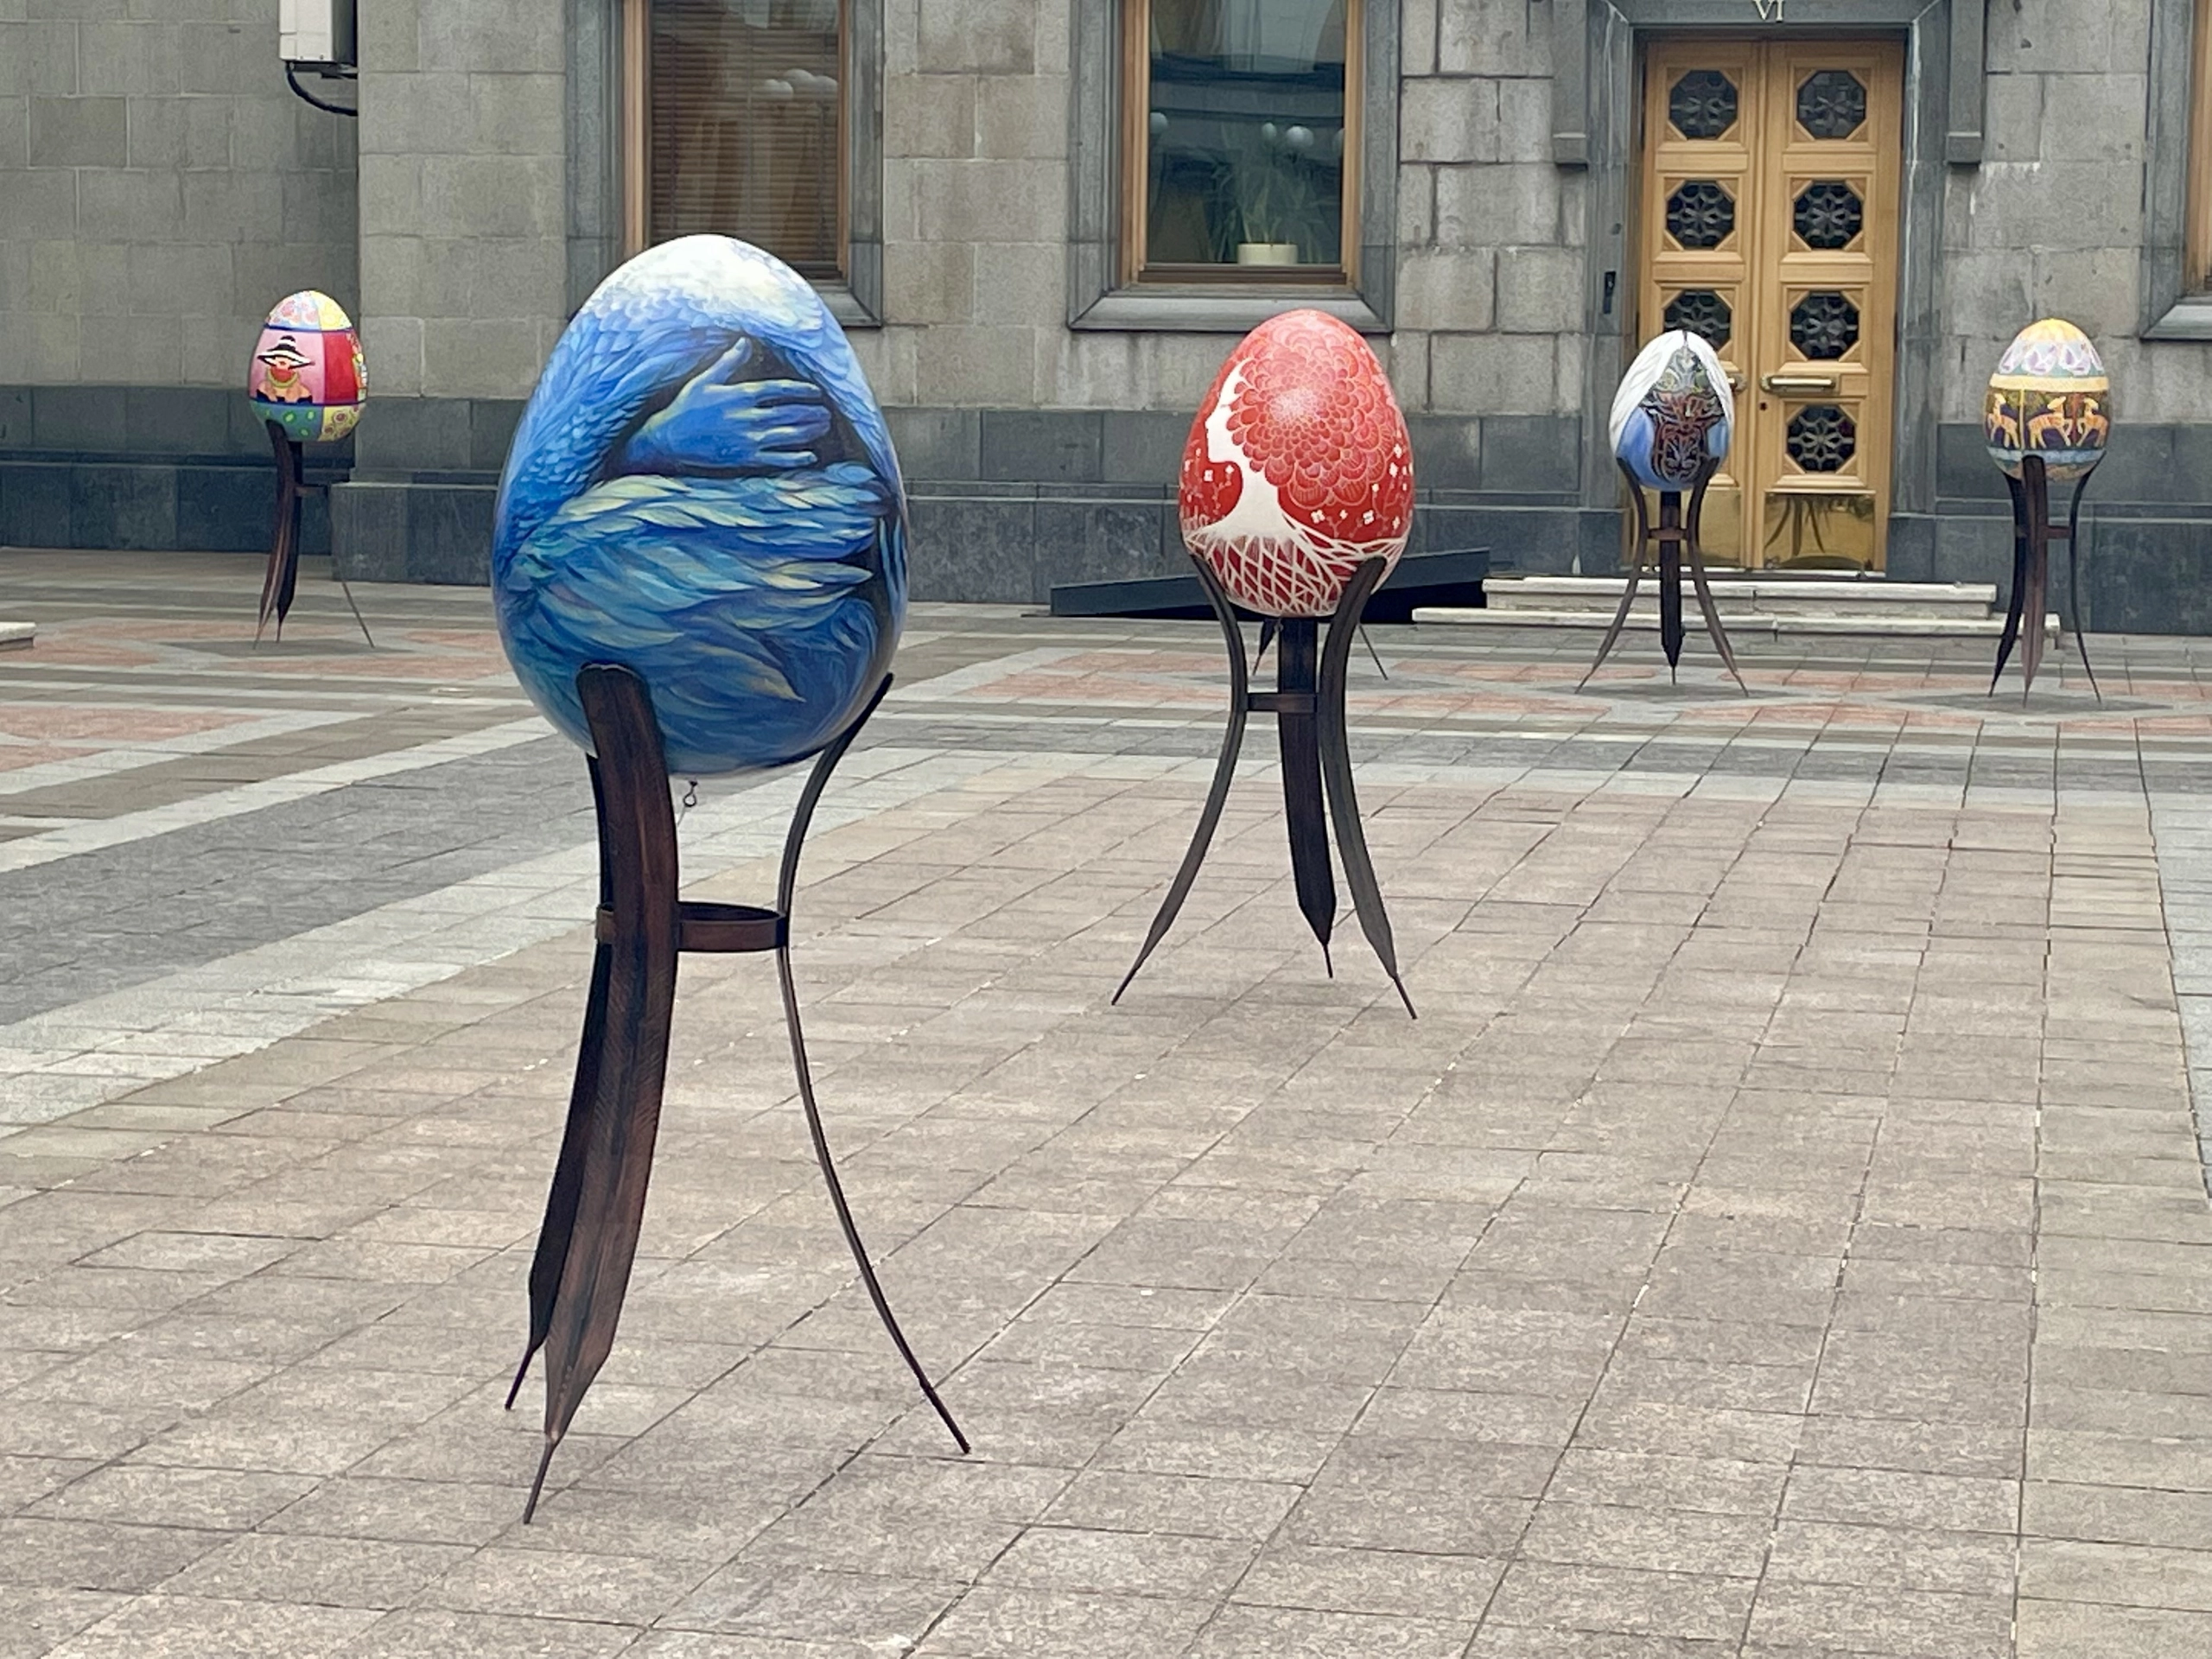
pixel 1770 213
pixel 1701 128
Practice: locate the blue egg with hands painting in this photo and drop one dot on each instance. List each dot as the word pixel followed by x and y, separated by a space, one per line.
pixel 702 489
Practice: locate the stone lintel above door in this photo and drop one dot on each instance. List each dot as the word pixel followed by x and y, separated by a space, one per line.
pixel 1947 38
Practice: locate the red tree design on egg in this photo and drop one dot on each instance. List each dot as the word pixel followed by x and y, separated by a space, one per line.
pixel 1298 469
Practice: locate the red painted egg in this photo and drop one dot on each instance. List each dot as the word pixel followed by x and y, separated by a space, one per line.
pixel 1298 469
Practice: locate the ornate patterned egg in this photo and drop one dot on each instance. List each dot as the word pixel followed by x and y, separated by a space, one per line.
pixel 1298 469
pixel 1673 413
pixel 307 375
pixel 2049 397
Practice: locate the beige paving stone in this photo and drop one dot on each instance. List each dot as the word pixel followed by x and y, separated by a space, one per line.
pixel 1201 1507
pixel 227 1499
pixel 1887 1620
pixel 1014 1624
pixel 34 1621
pixel 2115 1515
pixel 856 1609
pixel 428 1634
pixel 159 1626
pixel 2064 1629
pixel 1110 1563
pixel 2076 1570
pixel 1654 1540
pixel 96 1554
pixel 1686 1245
pixel 1299 1633
pixel 1618 1599
pixel 1898 1499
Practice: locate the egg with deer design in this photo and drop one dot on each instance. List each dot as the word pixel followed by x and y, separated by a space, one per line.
pixel 1299 468
pixel 307 374
pixel 2051 398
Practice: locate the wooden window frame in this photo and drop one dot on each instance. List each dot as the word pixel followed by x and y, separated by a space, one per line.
pixel 1134 16
pixel 1230 299
pixel 856 294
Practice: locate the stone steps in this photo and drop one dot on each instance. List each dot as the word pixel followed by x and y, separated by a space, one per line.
pixel 17 636
pixel 1753 606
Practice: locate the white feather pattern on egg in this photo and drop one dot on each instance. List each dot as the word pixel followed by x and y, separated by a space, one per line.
pixel 1650 363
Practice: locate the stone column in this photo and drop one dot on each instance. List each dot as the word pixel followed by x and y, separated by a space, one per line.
pixel 463 270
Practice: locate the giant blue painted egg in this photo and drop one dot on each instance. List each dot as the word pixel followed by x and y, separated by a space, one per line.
pixel 702 489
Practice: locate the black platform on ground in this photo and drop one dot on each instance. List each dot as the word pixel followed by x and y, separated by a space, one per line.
pixel 1308 704
pixel 2032 535
pixel 1452 577
pixel 593 1214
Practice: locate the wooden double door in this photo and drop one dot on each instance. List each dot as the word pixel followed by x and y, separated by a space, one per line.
pixel 1769 215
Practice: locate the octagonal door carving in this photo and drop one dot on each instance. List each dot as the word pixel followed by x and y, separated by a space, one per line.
pixel 1768 224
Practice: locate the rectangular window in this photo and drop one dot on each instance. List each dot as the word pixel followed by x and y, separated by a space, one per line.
pixel 1240 141
pixel 2198 276
pixel 737 126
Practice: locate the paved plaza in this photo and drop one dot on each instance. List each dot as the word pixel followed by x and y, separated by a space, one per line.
pixel 1783 1233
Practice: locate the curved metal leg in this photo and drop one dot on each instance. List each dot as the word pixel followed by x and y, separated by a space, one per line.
pixel 1296 731
pixel 1635 573
pixel 1225 770
pixel 2011 636
pixel 603 1199
pixel 2073 578
pixel 1705 604
pixel 281 576
pixel 1336 766
pixel 786 882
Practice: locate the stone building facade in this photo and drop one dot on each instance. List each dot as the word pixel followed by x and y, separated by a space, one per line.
pixel 1512 186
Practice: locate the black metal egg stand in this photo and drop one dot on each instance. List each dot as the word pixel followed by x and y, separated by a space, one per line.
pixel 282 577
pixel 2032 535
pixel 1674 536
pixel 596 1207
pixel 1308 704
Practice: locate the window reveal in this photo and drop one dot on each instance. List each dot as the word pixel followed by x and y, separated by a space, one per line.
pixel 1239 159
pixel 739 108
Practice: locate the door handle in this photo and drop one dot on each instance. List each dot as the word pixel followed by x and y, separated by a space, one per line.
pixel 1735 378
pixel 1798 383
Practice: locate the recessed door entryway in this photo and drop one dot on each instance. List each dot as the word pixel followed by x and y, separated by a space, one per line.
pixel 1769 224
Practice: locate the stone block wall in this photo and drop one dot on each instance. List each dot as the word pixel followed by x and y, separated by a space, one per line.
pixel 2052 223
pixel 464 270
pixel 160 190
pixel 463 166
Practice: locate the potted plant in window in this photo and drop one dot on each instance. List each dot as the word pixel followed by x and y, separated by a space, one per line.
pixel 1277 207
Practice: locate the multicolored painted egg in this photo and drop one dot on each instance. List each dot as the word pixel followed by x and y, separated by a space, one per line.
pixel 1299 468
pixel 307 375
pixel 2049 397
pixel 1674 413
